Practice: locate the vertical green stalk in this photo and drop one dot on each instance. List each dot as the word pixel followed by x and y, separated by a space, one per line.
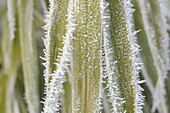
pixel 19 91
pixel 11 59
pixel 57 55
pixel 3 92
pixel 86 57
pixel 66 97
pixel 148 71
pixel 104 73
pixel 11 17
pixel 155 42
pixel 28 54
pixel 121 63
pixel 56 29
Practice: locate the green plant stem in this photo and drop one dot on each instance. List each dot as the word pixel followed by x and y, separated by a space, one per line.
pixel 146 53
pixel 56 29
pixel 11 56
pixel 3 91
pixel 66 97
pixel 86 58
pixel 56 42
pixel 28 54
pixel 154 41
pixel 119 57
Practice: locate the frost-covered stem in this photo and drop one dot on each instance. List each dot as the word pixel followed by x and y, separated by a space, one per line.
pixel 11 58
pixel 56 29
pixel 161 42
pixel 146 53
pixel 159 23
pixel 86 57
pixel 121 62
pixel 11 17
pixel 155 38
pixel 60 34
pixel 148 71
pixel 28 54
pixel 106 104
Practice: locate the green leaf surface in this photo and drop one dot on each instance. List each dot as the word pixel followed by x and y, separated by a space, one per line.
pixel 86 57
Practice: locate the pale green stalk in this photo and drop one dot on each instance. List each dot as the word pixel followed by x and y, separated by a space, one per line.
pixel 86 81
pixel 43 5
pixel 11 60
pixel 161 59
pixel 57 52
pixel 148 71
pixel 28 54
pixel 9 69
pixel 11 17
pixel 66 97
pixel 56 29
pixel 15 106
pixel 3 92
pixel 121 63
pixel 154 41
pixel 20 99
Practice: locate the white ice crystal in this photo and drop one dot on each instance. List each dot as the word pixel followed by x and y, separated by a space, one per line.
pixel 137 64
pixel 110 66
pixel 11 18
pixel 55 87
pixel 111 69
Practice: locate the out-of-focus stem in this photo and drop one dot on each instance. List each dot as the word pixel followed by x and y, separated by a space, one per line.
pixel 28 54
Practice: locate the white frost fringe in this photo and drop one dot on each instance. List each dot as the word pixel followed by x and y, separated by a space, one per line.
pixel 11 18
pixel 55 87
pixel 114 97
pixel 111 86
pixel 46 40
pixel 139 98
